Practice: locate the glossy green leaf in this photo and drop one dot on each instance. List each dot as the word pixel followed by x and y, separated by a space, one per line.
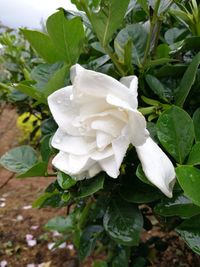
pixel 138 35
pixel 107 19
pixel 194 156
pixel 43 45
pixel 189 180
pixel 187 81
pixel 137 192
pixel 190 232
pixel 196 120
pixel 61 224
pixel 48 126
pixel 176 132
pixel 53 199
pixel 65 181
pixel 91 186
pixel 179 205
pixel 67 36
pixel 123 222
pixel 19 159
pixel 156 86
pixel 39 169
pixel 88 240
pixel 162 52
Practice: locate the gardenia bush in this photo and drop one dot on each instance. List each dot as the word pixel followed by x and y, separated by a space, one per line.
pixel 118 90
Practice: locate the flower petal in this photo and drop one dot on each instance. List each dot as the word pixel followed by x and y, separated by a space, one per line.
pixel 110 166
pixel 120 146
pixel 137 126
pixel 157 166
pixel 72 165
pixel 132 83
pixel 76 145
pixel 63 110
pixel 98 85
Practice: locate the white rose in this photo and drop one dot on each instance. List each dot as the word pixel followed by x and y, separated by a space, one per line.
pixel 98 119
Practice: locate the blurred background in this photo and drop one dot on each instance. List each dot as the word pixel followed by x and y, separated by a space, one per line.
pixel 31 13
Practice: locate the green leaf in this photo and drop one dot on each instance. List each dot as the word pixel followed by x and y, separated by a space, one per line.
pixel 91 186
pixel 136 191
pixel 19 159
pixel 57 81
pixel 30 91
pixel 43 73
pixel 138 35
pixel 43 45
pixel 108 19
pixel 123 222
pixel 67 36
pixel 99 263
pixel 61 224
pixel 196 120
pixel 122 257
pixel 49 126
pixel 65 181
pixel 53 199
pixel 187 81
pixel 156 86
pixel 194 156
pixel 190 232
pixel 39 169
pixel 45 148
pixel 88 240
pixel 144 5
pixel 177 206
pixel 189 180
pixel 162 52
pixel 176 132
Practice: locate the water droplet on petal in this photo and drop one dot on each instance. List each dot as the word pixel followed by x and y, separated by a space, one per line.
pixel 57 140
pixel 59 101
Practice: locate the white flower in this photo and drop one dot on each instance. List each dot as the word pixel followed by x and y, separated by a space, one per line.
pixel 98 119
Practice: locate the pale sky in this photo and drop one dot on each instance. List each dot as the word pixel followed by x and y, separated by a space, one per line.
pixel 28 13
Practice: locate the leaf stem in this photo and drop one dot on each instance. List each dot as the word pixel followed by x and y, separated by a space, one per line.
pixel 152 26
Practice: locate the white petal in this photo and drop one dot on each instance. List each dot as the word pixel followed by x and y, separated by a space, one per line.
pixel 99 85
pixel 76 145
pixel 94 170
pixel 63 110
pixel 110 166
pixel 109 125
pixel 74 71
pixel 99 155
pixel 103 139
pixel 157 166
pixel 120 146
pixel 116 101
pixel 137 124
pixel 132 83
pixel 71 164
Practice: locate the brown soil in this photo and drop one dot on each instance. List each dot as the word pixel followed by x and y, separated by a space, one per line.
pixel 16 222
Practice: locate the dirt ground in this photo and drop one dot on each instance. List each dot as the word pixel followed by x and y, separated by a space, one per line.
pixel 19 222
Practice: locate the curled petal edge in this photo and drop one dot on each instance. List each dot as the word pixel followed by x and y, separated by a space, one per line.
pixel 157 166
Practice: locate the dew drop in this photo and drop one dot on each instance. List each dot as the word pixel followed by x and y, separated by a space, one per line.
pixel 57 140
pixel 59 101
